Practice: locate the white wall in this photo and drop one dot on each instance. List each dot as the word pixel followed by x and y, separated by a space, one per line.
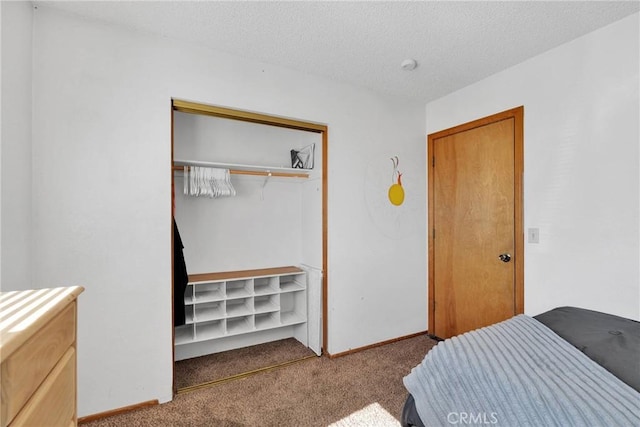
pixel 581 177
pixel 101 184
pixel 261 226
pixel 15 176
pixel 102 197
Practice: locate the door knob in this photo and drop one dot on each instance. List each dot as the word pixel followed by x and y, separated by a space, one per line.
pixel 505 257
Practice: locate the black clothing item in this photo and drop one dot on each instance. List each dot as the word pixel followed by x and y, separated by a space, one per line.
pixel 180 278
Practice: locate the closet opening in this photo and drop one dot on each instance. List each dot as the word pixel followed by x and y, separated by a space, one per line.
pixel 249 240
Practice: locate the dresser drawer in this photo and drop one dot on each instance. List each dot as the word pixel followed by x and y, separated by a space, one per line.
pixel 53 404
pixel 26 369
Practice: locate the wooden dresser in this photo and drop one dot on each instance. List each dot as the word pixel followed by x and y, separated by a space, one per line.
pixel 38 354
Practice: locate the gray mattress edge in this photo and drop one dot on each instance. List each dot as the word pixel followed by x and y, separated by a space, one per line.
pixel 609 340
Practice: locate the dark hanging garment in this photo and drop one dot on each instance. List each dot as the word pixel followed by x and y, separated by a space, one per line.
pixel 180 278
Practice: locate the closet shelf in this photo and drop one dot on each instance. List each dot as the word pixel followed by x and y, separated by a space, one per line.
pixel 240 169
pixel 234 309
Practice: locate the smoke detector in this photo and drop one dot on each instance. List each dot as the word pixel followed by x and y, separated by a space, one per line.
pixel 409 64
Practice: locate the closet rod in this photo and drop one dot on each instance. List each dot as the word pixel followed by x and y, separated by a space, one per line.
pixel 254 172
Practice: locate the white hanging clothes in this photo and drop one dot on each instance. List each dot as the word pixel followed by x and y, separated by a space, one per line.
pixel 207 182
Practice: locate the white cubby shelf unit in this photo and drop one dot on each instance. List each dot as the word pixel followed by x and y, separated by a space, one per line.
pixel 236 309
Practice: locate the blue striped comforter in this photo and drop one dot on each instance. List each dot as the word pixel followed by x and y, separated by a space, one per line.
pixel 518 373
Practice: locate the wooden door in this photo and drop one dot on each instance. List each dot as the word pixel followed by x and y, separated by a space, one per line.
pixel 475 222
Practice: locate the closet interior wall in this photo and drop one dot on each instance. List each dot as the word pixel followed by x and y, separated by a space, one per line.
pixel 270 222
pixel 262 226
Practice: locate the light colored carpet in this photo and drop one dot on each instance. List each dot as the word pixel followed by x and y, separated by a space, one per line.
pixel 363 388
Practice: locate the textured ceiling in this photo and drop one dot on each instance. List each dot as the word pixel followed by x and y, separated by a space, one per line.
pixel 363 43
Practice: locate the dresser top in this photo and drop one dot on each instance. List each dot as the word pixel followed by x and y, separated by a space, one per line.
pixel 23 313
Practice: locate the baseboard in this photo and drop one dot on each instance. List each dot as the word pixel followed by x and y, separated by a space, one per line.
pixel 89 418
pixel 433 337
pixel 367 347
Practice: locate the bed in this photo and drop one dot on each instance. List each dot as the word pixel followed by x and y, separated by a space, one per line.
pixel 565 367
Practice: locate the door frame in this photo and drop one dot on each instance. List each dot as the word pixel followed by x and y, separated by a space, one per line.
pixel 518 200
pixel 278 121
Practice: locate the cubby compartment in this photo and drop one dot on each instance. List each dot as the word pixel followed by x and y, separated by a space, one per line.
pixel 239 307
pixel 267 320
pixel 209 330
pixel 239 325
pixel 239 288
pixel 266 285
pixel 188 294
pixel 292 282
pixel 188 314
pixel 293 308
pixel 204 292
pixel 209 311
pixel 266 303
pixel 184 334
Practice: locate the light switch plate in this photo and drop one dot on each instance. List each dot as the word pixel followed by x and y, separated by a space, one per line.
pixel 533 235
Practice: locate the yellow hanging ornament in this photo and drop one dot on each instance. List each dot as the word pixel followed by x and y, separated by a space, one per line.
pixel 396 192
